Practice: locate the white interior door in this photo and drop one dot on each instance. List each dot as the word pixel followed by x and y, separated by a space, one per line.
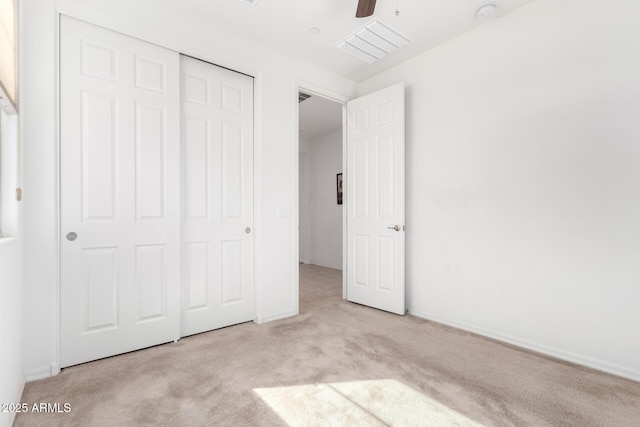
pixel 217 133
pixel 375 200
pixel 120 193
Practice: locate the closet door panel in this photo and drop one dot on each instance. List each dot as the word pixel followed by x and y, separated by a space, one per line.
pixel 217 123
pixel 119 193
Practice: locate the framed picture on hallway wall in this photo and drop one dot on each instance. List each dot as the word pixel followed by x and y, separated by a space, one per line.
pixel 339 187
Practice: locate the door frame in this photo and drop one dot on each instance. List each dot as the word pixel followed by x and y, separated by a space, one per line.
pixel 312 89
pixel 108 22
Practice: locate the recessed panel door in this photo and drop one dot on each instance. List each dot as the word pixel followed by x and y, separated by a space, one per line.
pixel 375 200
pixel 217 213
pixel 120 200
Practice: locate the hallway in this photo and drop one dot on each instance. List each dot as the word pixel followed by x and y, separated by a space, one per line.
pixel 319 287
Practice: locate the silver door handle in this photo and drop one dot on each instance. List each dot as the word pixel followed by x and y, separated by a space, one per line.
pixel 72 236
pixel 247 230
pixel 395 227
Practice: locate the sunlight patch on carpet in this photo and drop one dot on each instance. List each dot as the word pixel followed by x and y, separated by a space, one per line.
pixel 359 403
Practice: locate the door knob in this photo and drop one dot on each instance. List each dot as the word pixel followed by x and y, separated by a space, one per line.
pixel 72 236
pixel 247 230
pixel 395 227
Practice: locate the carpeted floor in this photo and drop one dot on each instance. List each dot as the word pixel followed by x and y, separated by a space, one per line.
pixel 335 364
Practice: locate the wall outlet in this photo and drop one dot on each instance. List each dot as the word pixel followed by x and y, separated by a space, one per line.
pixel 450 269
pixel 283 211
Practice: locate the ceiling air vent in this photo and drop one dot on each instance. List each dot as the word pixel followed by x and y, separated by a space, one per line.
pixel 372 42
pixel 302 97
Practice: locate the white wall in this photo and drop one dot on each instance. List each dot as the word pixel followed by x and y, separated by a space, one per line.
pixel 523 175
pixel 304 201
pixel 276 152
pixel 11 367
pixel 325 154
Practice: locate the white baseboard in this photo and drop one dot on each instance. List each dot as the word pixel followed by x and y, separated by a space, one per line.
pixel 55 369
pixel 325 266
pixel 305 261
pixel 558 353
pixel 278 316
pixel 40 373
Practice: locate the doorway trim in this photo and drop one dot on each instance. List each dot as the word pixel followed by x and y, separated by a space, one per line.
pixel 312 89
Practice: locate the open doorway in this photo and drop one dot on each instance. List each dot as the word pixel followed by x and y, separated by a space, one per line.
pixel 321 215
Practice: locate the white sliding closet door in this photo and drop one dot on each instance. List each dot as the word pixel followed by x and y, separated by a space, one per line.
pixel 120 193
pixel 217 255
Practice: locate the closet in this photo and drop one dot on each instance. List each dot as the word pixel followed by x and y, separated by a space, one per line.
pixel 156 194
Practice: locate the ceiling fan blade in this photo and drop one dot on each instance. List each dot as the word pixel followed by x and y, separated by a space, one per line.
pixel 365 8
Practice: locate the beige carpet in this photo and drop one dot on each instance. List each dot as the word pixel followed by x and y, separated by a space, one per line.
pixel 359 403
pixel 335 364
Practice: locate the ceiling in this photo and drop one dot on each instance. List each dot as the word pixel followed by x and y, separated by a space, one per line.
pixel 284 25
